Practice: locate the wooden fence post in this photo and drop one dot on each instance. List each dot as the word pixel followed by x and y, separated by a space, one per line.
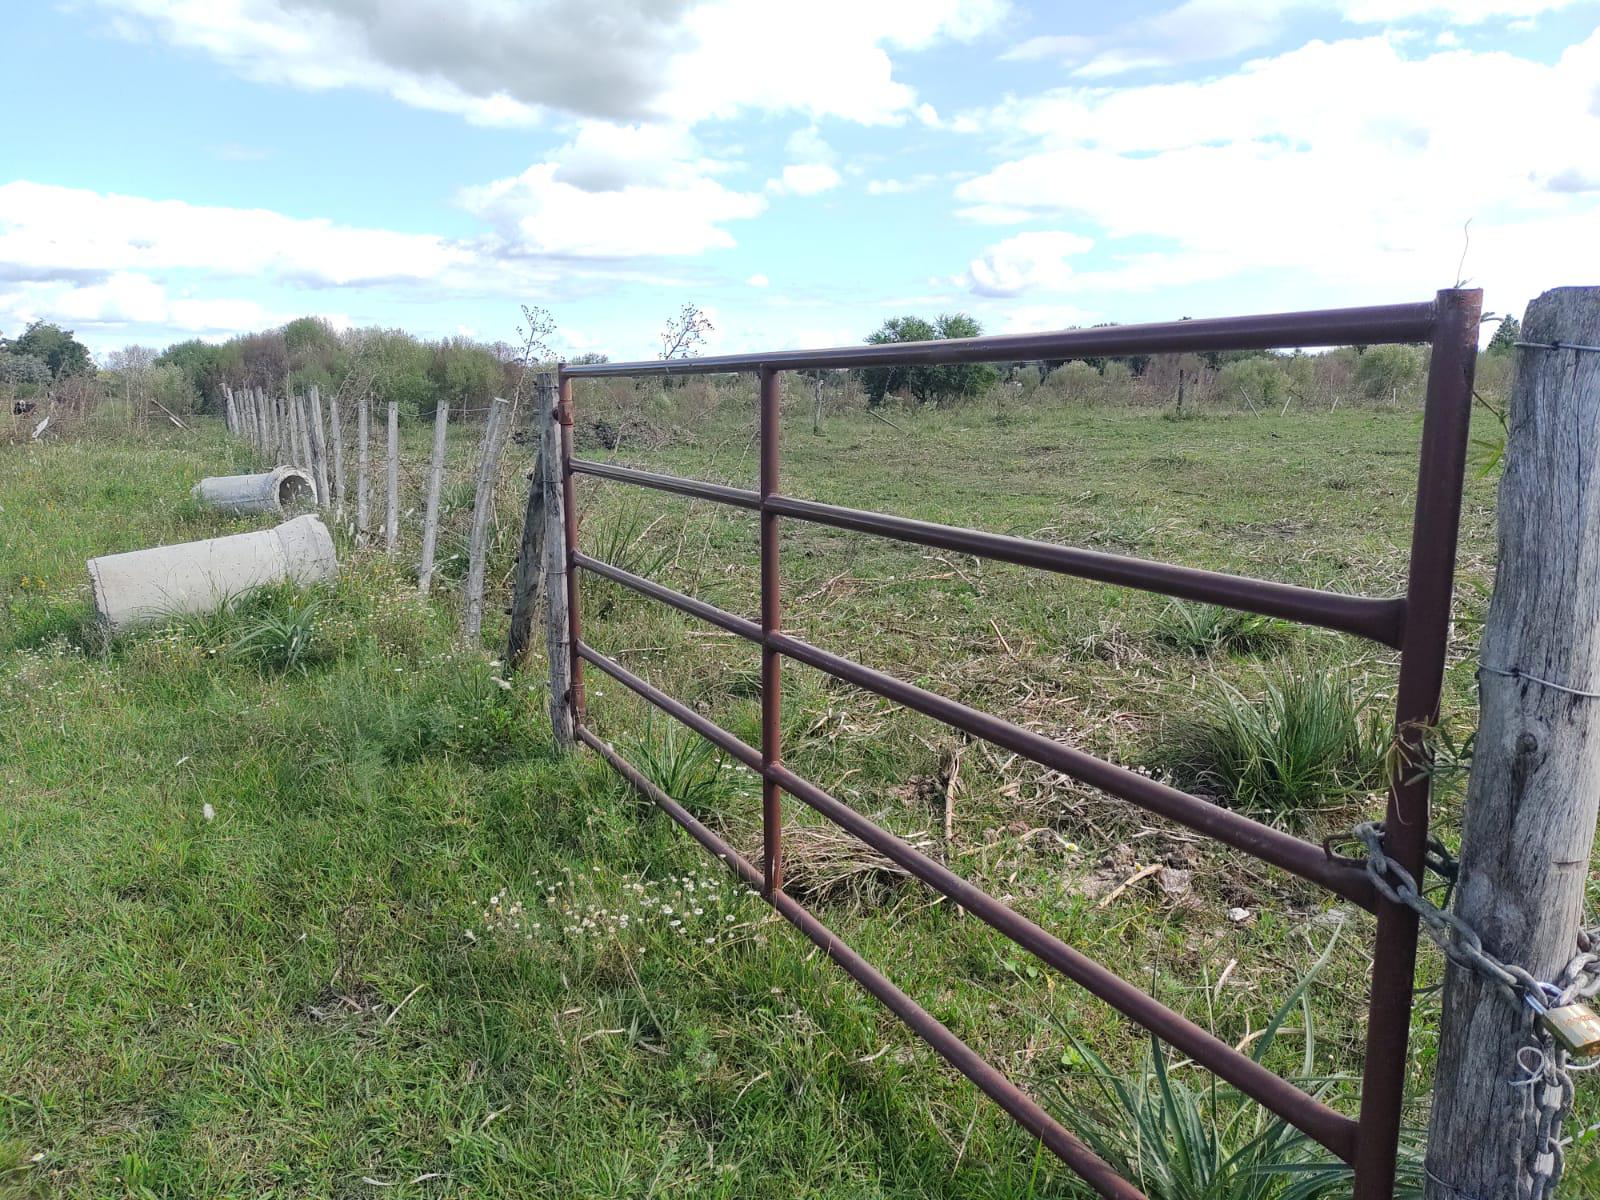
pixel 1531 802
pixel 363 469
pixel 430 516
pixel 319 447
pixel 336 433
pixel 302 418
pixel 391 523
pixel 557 631
pixel 530 550
pixel 482 505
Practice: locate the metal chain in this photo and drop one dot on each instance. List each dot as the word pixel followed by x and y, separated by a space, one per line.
pixel 1547 1084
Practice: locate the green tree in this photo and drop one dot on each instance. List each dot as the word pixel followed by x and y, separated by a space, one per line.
pixel 464 373
pixel 60 351
pixel 932 383
pixel 1505 338
pixel 204 366
pixel 315 353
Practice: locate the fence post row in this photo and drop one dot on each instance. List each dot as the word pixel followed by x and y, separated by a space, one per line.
pixel 1416 624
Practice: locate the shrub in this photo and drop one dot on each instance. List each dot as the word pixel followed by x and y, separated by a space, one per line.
pixel 1074 382
pixel 1311 740
pixel 1384 370
pixel 1256 382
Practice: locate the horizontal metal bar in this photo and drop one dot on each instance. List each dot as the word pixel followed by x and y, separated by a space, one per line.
pixel 708 613
pixel 1382 620
pixel 1263 841
pixel 1022 1107
pixel 1329 327
pixel 712 732
pixel 1332 1129
pixel 722 494
pixel 1271 845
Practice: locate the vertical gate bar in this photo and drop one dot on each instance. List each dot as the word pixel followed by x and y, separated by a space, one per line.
pixel 771 661
pixel 1422 658
pixel 569 502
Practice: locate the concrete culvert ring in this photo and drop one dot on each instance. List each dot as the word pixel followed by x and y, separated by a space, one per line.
pixel 295 491
pixel 279 491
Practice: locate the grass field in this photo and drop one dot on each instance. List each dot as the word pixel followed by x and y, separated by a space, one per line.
pixel 415 953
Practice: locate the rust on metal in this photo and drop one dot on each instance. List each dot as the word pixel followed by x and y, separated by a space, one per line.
pixel 1417 625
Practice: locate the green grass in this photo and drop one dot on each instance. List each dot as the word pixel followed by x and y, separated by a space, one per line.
pixel 398 950
pixel 1308 743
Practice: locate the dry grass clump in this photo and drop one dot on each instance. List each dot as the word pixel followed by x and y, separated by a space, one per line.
pixel 825 865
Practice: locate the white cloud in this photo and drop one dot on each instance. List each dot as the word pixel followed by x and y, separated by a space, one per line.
pixel 1257 172
pixel 131 299
pixel 758 280
pixel 1025 262
pixel 49 232
pixel 896 187
pixel 615 192
pixel 1204 30
pixel 507 62
pixel 805 179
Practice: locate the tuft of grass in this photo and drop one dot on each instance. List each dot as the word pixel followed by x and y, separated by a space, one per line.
pixel 1207 629
pixel 1311 740
pixel 622 536
pixel 280 635
pixel 684 766
pixel 1176 1141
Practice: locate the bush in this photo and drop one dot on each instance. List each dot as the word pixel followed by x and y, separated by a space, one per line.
pixel 1309 742
pixel 1074 382
pixel 1382 371
pixel 1257 382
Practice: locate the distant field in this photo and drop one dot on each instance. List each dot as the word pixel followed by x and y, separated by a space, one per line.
pixel 305 996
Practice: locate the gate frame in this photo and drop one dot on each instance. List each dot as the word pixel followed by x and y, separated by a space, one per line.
pixel 1416 624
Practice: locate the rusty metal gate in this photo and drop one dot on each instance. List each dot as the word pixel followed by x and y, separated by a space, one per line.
pixel 1415 624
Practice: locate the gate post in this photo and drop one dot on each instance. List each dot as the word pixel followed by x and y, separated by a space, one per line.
pixel 1535 784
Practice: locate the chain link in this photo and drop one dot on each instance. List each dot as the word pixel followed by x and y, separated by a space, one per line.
pixel 1547 1083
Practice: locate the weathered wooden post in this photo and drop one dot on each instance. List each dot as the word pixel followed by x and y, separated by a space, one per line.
pixel 363 469
pixel 229 413
pixel 558 631
pixel 482 505
pixel 336 432
pixel 1531 803
pixel 391 523
pixel 302 420
pixel 319 447
pixel 430 516
pixel 530 550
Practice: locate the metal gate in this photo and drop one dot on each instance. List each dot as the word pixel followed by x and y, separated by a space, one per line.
pixel 1415 624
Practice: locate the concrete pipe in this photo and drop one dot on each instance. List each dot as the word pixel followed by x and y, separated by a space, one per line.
pixel 278 491
pixel 145 586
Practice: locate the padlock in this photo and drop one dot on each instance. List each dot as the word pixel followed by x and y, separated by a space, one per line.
pixel 1575 1027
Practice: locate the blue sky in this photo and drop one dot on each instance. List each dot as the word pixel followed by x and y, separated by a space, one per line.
pixel 180 168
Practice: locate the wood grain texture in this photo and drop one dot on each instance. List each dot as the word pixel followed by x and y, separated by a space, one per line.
pixel 1531 803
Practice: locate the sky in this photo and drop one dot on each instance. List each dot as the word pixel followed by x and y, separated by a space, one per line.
pixel 801 171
